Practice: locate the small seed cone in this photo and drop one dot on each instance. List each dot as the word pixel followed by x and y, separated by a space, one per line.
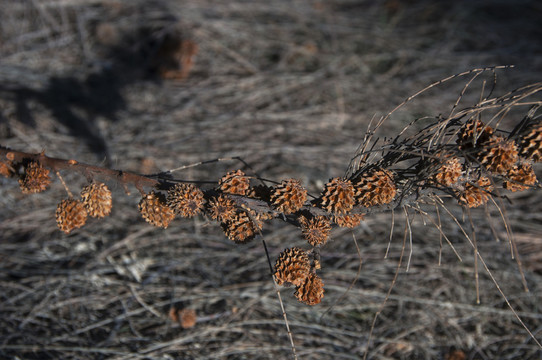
pixel 292 266
pixel 477 194
pixel 448 173
pixel 472 134
pixel 375 187
pixel 234 182
pixel 289 196
pixel 6 169
pixel 154 210
pixel 35 179
pixel 520 178
pixel 311 291
pixel 498 155
pixel 348 221
pixel 185 199
pixel 316 229
pixel 222 208
pixel 241 229
pixel 96 198
pixel 531 143
pixel 70 214
pixel 338 196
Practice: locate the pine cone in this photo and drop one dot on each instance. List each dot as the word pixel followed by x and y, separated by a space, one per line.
pixel 472 134
pixel 289 196
pixel 477 194
pixel 316 229
pixel 338 196
pixel 448 173
pixel 348 221
pixel 222 208
pixel 311 291
pixel 531 143
pixel 6 169
pixel 185 199
pixel 241 229
pixel 498 155
pixel 154 210
pixel 292 266
pixel 376 187
pixel 35 178
pixel 96 198
pixel 234 182
pixel 520 177
pixel 70 214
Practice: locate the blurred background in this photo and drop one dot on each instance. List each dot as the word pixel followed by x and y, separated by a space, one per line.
pixel 290 87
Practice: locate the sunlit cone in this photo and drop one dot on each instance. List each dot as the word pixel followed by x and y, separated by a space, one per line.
pixel 6 169
pixel 375 187
pixel 185 200
pixel 315 229
pixel 311 291
pixel 234 182
pixel 187 318
pixel 348 221
pixel 498 155
pixel 530 144
pixel 473 133
pixel 222 208
pixel 448 173
pixel 241 229
pixel 96 198
pixel 520 177
pixel 155 211
pixel 35 178
pixel 292 266
pixel 477 194
pixel 338 196
pixel 289 196
pixel 70 214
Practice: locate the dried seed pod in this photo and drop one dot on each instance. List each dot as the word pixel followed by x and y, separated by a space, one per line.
pixel 289 196
pixel 520 177
pixel 448 173
pixel 241 229
pixel 530 144
pixel 6 169
pixel 338 196
pixel 292 266
pixel 222 208
pixel 477 194
pixel 498 155
pixel 375 187
pixel 185 199
pixel 349 221
pixel 234 182
pixel 96 198
pixel 473 133
pixel 70 214
pixel 311 291
pixel 155 211
pixel 35 178
pixel 315 229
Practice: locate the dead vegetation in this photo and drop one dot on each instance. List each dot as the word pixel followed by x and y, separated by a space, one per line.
pixel 291 89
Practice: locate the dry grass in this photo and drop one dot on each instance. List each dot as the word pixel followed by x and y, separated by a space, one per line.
pixel 291 88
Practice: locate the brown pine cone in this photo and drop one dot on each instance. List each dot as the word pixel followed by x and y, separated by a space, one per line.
pixel 472 134
pixel 338 196
pixel 241 229
pixel 185 199
pixel 234 182
pixel 311 291
pixel 96 198
pixel 448 173
pixel 315 229
pixel 498 155
pixel 292 266
pixel 222 208
pixel 530 144
pixel 520 177
pixel 70 214
pixel 6 169
pixel 289 196
pixel 375 187
pixel 35 178
pixel 154 210
pixel 477 194
pixel 348 221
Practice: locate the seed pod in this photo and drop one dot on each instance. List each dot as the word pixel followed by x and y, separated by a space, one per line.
pixel 70 214
pixel 338 196
pixel 498 155
pixel 348 221
pixel 311 291
pixel 472 134
pixel 448 173
pixel 96 198
pixel 289 196
pixel 315 229
pixel 241 229
pixel 185 199
pixel 292 266
pixel 477 194
pixel 6 169
pixel 222 208
pixel 154 210
pixel 375 187
pixel 530 144
pixel 35 178
pixel 234 182
pixel 520 177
